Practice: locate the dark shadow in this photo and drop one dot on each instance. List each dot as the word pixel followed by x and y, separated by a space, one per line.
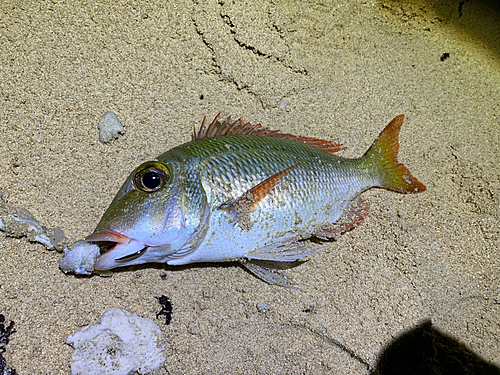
pixel 279 266
pixel 480 18
pixel 5 331
pixel 476 20
pixel 427 350
pixel 159 266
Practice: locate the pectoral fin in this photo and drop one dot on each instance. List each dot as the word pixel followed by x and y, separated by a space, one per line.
pixel 241 207
pixel 255 195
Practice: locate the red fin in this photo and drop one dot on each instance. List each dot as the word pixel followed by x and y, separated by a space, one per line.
pixel 349 220
pixel 243 206
pixel 383 158
pixel 255 195
pixel 220 128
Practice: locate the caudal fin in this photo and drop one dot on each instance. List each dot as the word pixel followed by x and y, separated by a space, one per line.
pixel 382 158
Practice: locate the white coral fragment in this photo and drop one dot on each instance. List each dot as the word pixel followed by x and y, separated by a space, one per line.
pixel 120 343
pixel 80 259
pixel 18 222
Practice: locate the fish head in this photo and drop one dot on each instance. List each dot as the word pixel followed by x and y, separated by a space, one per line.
pixel 147 221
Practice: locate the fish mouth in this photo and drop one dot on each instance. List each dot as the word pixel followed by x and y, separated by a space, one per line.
pixel 116 249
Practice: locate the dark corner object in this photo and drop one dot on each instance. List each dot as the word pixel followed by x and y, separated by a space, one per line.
pixel 426 350
pixel 5 333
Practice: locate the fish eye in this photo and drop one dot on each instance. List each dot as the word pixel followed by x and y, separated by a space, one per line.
pixel 151 179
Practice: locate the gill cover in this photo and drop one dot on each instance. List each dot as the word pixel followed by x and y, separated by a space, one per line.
pixel 158 213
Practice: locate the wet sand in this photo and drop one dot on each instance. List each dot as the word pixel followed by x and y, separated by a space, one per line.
pixel 339 72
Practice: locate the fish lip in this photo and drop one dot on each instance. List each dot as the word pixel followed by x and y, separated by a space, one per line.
pixel 108 235
pixel 116 249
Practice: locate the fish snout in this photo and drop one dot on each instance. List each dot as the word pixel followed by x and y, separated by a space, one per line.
pixel 116 249
pixel 107 235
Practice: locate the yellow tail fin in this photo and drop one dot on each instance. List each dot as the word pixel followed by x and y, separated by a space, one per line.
pixel 382 156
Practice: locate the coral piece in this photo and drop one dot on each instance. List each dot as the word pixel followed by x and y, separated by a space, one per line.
pixel 120 343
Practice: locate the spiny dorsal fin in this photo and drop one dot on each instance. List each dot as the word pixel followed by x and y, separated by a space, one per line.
pixel 229 126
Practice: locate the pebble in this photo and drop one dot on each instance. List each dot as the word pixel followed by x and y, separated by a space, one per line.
pixel 110 127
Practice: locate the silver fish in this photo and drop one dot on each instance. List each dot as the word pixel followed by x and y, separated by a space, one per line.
pixel 242 192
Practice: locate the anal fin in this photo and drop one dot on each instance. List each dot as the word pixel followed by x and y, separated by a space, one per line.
pixel 353 216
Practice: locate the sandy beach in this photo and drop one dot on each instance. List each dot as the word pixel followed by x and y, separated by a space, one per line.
pixel 419 276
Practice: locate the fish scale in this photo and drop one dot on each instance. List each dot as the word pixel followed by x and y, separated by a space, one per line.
pixel 246 193
pixel 263 157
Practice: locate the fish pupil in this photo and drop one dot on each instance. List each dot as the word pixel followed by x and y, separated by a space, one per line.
pixel 151 180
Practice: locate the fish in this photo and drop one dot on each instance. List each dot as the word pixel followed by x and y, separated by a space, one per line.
pixel 244 193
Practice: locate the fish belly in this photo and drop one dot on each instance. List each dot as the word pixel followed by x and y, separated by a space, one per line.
pixel 275 220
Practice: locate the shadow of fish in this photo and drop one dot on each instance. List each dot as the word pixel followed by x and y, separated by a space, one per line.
pixel 242 192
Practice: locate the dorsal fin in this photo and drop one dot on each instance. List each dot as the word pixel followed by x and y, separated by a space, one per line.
pixel 238 127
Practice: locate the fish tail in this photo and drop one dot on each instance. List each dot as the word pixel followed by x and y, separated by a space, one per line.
pixel 382 158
